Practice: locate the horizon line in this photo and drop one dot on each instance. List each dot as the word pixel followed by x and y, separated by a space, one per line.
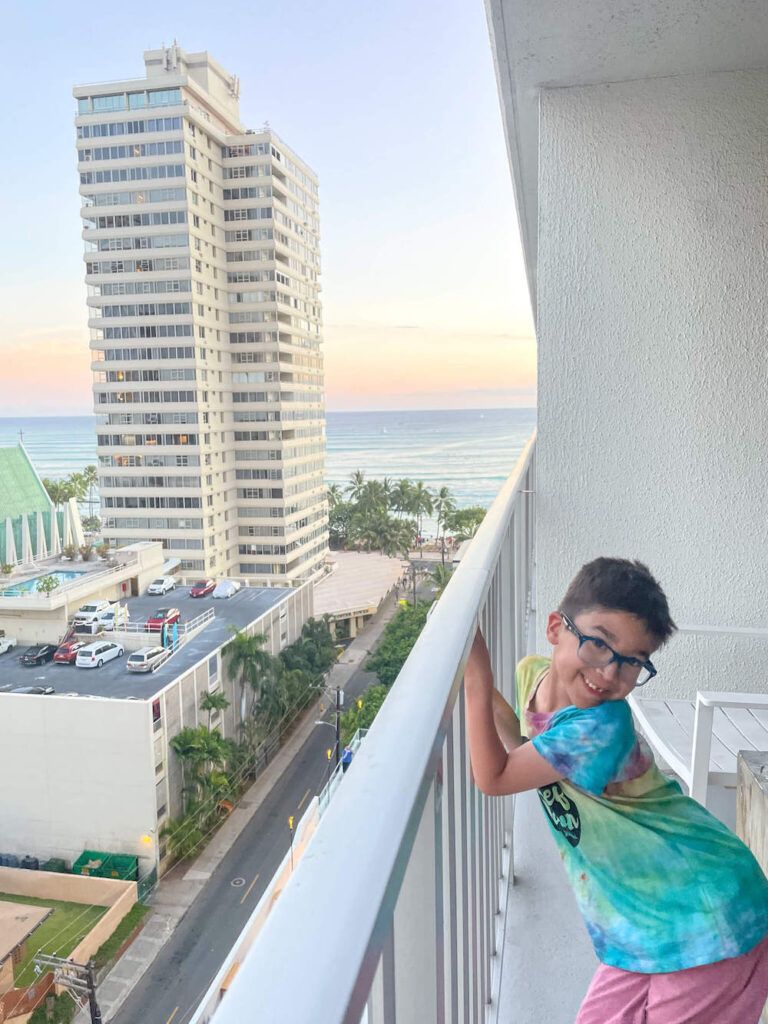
pixel 337 412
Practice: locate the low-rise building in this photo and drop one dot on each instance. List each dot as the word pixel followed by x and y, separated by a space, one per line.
pixel 89 765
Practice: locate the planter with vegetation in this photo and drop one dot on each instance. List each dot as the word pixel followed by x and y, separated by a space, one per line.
pixel 274 692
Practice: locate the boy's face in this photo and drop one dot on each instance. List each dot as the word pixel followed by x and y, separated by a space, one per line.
pixel 586 686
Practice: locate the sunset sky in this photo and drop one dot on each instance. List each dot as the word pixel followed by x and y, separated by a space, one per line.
pixel 395 107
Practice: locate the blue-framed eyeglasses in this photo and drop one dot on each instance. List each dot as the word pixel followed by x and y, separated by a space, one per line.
pixel 596 653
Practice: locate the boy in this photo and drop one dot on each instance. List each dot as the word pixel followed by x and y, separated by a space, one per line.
pixel 675 904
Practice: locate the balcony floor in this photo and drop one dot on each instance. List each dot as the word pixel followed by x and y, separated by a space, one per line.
pixel 547 957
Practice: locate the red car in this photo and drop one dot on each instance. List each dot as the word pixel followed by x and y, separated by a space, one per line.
pixel 202 588
pixel 67 652
pixel 163 617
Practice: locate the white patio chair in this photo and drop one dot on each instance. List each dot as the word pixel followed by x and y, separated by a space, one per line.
pixel 700 740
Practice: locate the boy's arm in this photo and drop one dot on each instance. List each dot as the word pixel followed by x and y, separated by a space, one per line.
pixel 495 771
pixel 506 721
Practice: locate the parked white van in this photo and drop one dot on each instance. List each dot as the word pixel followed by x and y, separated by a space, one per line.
pixel 94 655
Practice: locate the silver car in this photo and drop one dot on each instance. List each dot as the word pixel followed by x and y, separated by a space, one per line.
pixel 145 660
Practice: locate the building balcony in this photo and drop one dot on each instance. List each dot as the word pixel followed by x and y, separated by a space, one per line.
pixel 397 909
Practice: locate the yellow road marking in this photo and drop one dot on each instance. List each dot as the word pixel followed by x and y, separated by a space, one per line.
pixel 245 897
pixel 302 800
pixel 172 1016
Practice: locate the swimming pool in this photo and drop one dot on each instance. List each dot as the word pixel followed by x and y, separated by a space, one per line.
pixel 30 586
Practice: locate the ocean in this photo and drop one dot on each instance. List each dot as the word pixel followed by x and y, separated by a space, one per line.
pixel 470 451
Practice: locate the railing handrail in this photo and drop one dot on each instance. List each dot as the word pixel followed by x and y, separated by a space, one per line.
pixel 396 781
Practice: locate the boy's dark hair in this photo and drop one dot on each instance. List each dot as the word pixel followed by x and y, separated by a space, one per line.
pixel 617 584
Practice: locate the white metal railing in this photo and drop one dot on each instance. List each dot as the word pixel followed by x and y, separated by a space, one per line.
pixel 395 912
pixel 185 628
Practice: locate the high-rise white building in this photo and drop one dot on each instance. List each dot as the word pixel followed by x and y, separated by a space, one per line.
pixel 202 266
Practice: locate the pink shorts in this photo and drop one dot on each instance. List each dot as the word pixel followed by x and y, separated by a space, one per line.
pixel 727 992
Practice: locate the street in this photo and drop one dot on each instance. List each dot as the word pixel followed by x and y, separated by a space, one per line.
pixel 171 989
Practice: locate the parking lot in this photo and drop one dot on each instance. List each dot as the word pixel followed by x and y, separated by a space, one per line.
pixel 114 680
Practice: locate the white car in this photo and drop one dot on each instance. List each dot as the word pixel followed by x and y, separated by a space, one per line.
pixel 7 643
pixel 227 588
pixel 161 585
pixel 145 659
pixel 94 655
pixel 118 615
pixel 91 612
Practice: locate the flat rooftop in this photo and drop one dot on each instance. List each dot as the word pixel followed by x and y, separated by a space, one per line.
pixel 114 679
pixel 17 922
pixel 359 581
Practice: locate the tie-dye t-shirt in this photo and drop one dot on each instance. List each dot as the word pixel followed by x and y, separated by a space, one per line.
pixel 661 883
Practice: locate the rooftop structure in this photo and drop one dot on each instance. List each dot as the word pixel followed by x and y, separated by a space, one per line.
pixel 17 922
pixel 31 615
pixel 212 620
pixel 354 589
pixel 30 526
pixel 202 264
pixel 95 755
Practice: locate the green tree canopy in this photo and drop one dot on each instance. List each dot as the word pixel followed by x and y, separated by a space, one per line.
pixel 397 641
pixel 361 716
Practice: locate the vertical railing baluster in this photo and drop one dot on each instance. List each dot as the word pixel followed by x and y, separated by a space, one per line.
pixel 439 869
pixel 452 839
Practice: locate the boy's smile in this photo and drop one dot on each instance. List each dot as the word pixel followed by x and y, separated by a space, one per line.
pixel 572 682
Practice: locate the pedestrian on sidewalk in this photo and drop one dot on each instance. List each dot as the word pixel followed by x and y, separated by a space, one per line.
pixel 346 759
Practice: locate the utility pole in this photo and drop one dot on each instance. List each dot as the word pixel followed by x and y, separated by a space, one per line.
pixel 79 979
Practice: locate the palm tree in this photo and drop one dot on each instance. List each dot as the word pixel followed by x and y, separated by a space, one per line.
pixel 373 497
pixel 247 657
pixel 78 486
pixel 189 747
pixel 215 701
pixel 443 506
pixel 57 491
pixel 335 495
pixel 90 478
pixel 356 485
pixel 271 704
pixel 421 505
pixel 401 496
pixel 441 575
pixel 184 837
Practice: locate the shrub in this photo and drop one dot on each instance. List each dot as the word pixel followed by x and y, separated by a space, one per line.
pixel 108 950
pixel 47 584
pixel 396 642
pixel 63 1010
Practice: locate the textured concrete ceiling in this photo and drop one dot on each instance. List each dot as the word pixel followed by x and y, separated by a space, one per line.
pixel 558 43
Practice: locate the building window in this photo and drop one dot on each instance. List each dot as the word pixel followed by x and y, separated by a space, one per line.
pixel 103 103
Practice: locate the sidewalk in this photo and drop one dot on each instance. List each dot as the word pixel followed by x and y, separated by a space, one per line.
pixel 179 887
